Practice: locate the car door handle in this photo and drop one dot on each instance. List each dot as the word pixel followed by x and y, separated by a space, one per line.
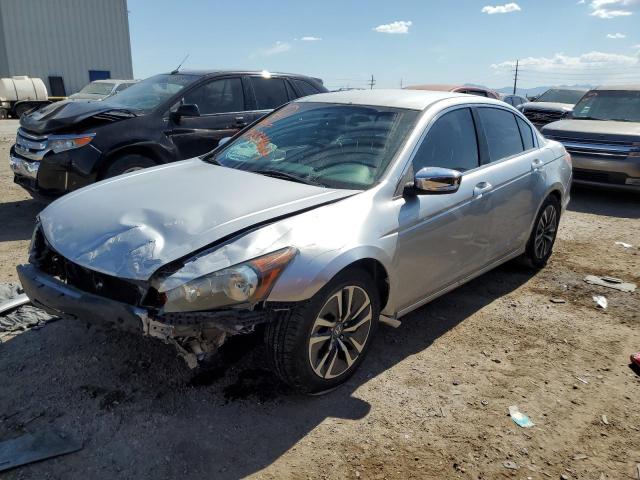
pixel 537 165
pixel 481 188
pixel 240 122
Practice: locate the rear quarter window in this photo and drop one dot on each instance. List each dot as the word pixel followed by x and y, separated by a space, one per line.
pixel 526 133
pixel 305 88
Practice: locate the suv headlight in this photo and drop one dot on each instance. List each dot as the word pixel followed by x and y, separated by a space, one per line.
pixel 62 143
pixel 248 282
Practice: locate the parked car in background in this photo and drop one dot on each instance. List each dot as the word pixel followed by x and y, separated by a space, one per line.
pixel 168 117
pixel 552 105
pixel 471 90
pixel 333 213
pixel 603 137
pixel 101 89
pixel 514 100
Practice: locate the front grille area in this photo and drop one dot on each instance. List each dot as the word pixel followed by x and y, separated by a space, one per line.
pixel 599 177
pixel 30 145
pixel 44 257
pixel 542 117
pixel 613 150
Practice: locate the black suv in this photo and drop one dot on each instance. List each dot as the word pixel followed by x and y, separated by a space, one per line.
pixel 167 117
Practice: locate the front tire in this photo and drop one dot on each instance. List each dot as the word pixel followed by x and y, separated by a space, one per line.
pixel 128 164
pixel 543 236
pixel 319 344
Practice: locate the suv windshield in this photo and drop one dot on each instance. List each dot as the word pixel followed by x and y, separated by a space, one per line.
pixel 561 96
pixel 151 92
pixel 98 88
pixel 330 145
pixel 618 105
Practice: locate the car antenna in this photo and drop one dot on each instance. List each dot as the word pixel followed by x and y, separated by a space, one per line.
pixel 178 67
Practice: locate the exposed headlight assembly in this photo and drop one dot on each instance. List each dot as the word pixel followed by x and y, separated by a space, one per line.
pixel 245 283
pixel 62 143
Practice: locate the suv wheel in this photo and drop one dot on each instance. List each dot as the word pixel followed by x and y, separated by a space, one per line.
pixel 128 164
pixel 317 345
pixel 543 236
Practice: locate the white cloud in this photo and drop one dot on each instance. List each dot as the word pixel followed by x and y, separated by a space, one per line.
pixel 616 36
pixel 561 64
pixel 277 48
pixel 506 8
pixel 310 39
pixel 608 9
pixel 399 26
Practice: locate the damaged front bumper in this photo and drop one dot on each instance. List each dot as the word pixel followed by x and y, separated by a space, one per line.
pixel 194 334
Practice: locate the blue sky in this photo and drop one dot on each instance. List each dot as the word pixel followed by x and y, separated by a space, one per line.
pixel 416 41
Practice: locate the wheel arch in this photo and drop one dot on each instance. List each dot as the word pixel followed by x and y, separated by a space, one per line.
pixel 147 149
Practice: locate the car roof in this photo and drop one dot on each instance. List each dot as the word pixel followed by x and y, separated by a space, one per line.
pixel 396 98
pixel 632 87
pixel 203 73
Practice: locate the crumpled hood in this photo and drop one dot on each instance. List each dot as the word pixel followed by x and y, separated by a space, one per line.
pixel 594 130
pixel 62 115
pixel 560 107
pixel 131 225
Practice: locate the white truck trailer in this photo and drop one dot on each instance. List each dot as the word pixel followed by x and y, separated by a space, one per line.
pixel 21 94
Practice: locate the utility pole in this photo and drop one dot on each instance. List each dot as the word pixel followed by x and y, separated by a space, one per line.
pixel 372 82
pixel 401 83
pixel 515 80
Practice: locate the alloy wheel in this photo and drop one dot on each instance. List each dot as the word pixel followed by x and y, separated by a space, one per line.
pixel 340 332
pixel 546 232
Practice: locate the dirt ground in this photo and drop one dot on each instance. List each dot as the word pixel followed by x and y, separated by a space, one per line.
pixel 431 401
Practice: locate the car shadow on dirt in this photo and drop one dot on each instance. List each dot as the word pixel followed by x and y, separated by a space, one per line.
pixel 142 414
pixel 18 218
pixel 605 202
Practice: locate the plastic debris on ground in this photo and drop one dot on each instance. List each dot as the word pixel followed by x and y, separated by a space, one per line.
pixel 635 362
pixel 34 447
pixel 601 301
pixel 611 282
pixel 625 245
pixel 520 418
pixel 20 319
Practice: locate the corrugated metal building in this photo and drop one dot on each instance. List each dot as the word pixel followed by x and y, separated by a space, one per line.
pixel 66 43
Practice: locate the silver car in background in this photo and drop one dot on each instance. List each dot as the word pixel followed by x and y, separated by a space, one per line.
pixel 333 213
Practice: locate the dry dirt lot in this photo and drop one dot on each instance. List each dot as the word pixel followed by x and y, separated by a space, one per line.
pixel 431 401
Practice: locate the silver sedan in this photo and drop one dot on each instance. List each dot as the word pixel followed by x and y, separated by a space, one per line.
pixel 333 214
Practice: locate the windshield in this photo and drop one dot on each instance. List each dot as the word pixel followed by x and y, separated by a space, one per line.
pixel 96 88
pixel 609 105
pixel 151 92
pixel 330 145
pixel 561 96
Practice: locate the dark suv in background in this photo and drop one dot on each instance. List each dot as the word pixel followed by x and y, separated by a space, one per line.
pixel 167 117
pixel 554 104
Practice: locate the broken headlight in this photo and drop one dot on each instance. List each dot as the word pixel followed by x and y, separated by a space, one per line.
pixel 248 282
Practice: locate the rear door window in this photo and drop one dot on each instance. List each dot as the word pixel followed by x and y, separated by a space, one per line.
pixel 218 96
pixel 526 133
pixel 502 133
pixel 450 143
pixel 305 88
pixel 270 92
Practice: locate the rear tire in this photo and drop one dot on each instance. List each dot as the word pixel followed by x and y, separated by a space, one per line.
pixel 543 236
pixel 128 164
pixel 311 348
pixel 3 113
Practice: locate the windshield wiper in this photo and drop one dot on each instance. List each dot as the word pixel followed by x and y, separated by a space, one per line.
pixel 286 176
pixel 586 118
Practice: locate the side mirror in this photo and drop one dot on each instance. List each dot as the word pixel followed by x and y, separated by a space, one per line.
pixel 435 180
pixel 185 110
pixel 223 141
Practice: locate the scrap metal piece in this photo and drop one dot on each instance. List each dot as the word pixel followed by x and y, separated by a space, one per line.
pixel 392 322
pixel 611 282
pixel 31 448
pixel 14 303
